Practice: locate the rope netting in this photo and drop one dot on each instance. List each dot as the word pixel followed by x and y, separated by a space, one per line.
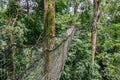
pixel 28 63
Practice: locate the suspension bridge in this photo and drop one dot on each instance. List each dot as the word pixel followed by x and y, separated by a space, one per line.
pixel 31 65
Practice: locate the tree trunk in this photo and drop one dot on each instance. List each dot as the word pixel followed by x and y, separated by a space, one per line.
pixel 94 28
pixel 49 35
pixel 27 6
pixel 13 53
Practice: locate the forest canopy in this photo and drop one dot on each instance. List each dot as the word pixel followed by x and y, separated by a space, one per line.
pixel 60 39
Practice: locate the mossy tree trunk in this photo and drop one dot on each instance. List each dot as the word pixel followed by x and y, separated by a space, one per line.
pixel 49 36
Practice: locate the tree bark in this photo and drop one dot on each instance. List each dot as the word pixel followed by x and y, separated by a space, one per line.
pixel 94 28
pixel 13 53
pixel 49 36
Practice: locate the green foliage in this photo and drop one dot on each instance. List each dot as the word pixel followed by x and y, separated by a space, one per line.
pixel 13 7
pixel 34 25
pixel 29 27
pixel 61 5
pixel 78 65
pixel 108 57
pixel 65 21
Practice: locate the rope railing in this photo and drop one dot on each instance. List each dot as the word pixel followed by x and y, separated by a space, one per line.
pixel 32 67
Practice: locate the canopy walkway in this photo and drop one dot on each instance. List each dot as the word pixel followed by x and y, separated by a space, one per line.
pixel 33 68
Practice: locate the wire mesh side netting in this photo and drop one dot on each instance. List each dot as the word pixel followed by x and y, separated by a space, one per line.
pixel 25 62
pixel 29 61
pixel 35 70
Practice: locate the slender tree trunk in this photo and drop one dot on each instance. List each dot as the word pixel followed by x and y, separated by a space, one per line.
pixel 49 35
pixel 27 6
pixel 11 23
pixel 76 4
pixel 94 28
pixel 13 53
